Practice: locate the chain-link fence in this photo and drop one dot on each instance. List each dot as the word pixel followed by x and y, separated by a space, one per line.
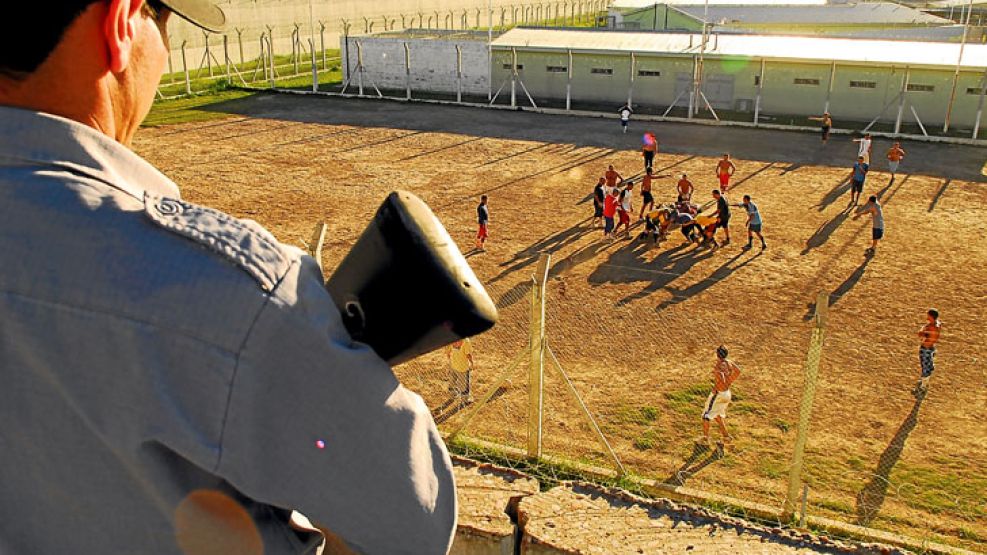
pixel 644 378
pixel 304 53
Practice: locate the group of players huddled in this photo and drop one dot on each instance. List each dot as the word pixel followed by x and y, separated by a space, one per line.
pixel 613 205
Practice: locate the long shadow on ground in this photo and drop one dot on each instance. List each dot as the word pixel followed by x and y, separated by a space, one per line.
pixel 550 244
pixel 871 498
pixel 627 265
pixel 718 275
pixel 825 231
pixel 781 147
pixel 693 465
pixel 842 289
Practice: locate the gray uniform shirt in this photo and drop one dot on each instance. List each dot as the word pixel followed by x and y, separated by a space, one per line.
pixel 154 353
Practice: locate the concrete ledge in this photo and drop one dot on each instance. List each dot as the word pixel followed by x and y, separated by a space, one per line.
pixel 488 497
pixel 584 518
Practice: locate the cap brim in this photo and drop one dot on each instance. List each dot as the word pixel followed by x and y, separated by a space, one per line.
pixel 201 13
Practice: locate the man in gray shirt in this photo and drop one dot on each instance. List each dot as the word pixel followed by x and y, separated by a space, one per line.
pixel 174 378
pixel 873 207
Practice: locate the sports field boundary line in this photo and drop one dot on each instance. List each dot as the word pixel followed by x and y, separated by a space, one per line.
pixel 606 115
pixel 756 510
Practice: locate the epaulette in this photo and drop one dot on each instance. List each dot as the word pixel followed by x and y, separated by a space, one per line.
pixel 243 242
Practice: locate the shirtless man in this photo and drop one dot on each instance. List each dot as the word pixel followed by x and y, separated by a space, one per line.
pixel 724 171
pixel 895 154
pixel 725 372
pixel 648 202
pixel 685 189
pixel 826 123
pixel 612 177
pixel 927 351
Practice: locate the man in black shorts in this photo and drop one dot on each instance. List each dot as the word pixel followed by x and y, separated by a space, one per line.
pixel 599 197
pixel 857 180
pixel 722 214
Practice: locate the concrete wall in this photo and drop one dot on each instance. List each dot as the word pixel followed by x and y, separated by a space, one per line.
pixel 731 84
pixel 433 63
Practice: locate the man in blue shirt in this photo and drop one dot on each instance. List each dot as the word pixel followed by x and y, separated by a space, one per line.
pixel 174 380
pixel 857 180
pixel 753 222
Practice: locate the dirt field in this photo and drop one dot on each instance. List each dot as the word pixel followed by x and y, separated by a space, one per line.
pixel 635 326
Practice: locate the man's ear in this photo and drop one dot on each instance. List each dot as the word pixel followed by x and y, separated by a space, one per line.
pixel 119 31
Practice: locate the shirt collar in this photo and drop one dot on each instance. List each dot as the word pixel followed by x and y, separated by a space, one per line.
pixel 39 139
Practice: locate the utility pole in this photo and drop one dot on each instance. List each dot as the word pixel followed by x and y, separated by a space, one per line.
pixel 959 60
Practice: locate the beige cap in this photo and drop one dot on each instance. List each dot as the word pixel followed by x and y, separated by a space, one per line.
pixel 202 13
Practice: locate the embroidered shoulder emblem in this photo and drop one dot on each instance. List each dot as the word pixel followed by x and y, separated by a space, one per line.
pixel 245 243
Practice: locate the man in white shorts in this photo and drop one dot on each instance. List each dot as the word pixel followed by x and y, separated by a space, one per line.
pixel 725 372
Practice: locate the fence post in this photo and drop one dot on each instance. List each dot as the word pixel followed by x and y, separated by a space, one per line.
pixel 315 67
pixel 270 58
pixel 208 55
pixel 805 412
pixel 459 73
pixel 407 71
pixel 359 66
pixel 226 57
pixel 513 77
pixel 630 87
pixel 901 102
pixel 239 40
pixel 568 82
pixel 322 43
pixel 536 372
pixel 757 99
pixel 188 82
pixel 829 91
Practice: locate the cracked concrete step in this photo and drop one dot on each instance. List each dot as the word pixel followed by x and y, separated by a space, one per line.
pixel 580 518
pixel 488 498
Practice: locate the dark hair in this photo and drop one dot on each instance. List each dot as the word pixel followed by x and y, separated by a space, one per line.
pixel 21 55
pixel 722 352
pixel 483 197
pixel 747 197
pixel 717 192
pixel 934 313
pixel 873 198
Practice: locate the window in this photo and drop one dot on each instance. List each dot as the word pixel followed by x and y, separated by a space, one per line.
pixel 912 87
pixel 975 90
pixel 602 70
pixel 648 73
pixel 801 81
pixel 863 84
pixel 757 80
pixel 557 69
pixel 519 66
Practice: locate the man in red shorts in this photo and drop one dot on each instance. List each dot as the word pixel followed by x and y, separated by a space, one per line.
pixel 482 218
pixel 624 209
pixel 724 171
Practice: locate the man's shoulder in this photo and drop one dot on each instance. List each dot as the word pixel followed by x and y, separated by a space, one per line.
pixel 242 243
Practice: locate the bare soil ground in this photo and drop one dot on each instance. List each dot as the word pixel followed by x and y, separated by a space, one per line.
pixel 635 325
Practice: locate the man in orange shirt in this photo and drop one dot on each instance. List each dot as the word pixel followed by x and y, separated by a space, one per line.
pixel 895 155
pixel 612 177
pixel 724 170
pixel 649 149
